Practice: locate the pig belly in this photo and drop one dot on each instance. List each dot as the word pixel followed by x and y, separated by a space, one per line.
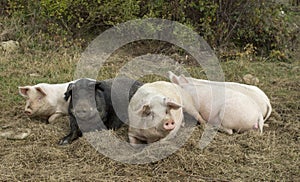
pixel 239 117
pixel 240 125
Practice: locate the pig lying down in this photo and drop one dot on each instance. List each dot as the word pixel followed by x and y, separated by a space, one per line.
pixel 253 92
pixel 91 106
pixel 236 111
pixel 156 112
pixel 45 100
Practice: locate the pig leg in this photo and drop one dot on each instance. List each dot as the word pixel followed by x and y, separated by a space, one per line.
pixel 219 122
pixel 54 116
pixel 226 130
pixel 189 107
pixel 193 112
pixel 74 133
pixel 261 123
pixel 134 140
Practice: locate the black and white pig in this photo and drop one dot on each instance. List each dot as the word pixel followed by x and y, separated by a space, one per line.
pixel 91 107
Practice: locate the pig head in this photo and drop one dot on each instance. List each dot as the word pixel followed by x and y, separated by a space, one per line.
pixel 45 100
pixel 156 112
pixel 91 106
pixel 86 95
pixel 83 109
pixel 155 119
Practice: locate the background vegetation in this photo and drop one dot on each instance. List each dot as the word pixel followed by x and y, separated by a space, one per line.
pixel 264 27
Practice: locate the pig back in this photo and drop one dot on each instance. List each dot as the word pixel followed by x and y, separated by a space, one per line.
pixel 254 92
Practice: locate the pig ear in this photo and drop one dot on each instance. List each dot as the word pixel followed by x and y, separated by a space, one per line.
pixel 68 93
pixel 173 78
pixel 99 85
pixel 23 91
pixel 182 79
pixel 144 109
pixel 171 104
pixel 41 91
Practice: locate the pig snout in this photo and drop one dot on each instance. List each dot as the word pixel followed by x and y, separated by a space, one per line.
pixel 28 109
pixel 28 112
pixel 169 124
pixel 84 110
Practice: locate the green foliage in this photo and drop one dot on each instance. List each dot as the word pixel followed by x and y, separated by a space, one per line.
pixel 263 24
pixel 74 17
pixel 202 15
pixel 77 17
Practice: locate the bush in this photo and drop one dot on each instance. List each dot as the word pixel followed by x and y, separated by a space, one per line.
pixel 222 23
pixel 80 16
pixel 262 24
pixel 75 18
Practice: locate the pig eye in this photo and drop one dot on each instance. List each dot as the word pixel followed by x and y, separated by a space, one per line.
pixel 147 113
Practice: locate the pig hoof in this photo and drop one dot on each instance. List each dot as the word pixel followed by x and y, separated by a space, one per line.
pixel 70 138
pixel 64 141
pixel 201 121
pixel 228 131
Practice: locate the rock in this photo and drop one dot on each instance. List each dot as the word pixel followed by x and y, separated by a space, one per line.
pixel 250 79
pixel 15 135
pixel 9 46
pixel 34 75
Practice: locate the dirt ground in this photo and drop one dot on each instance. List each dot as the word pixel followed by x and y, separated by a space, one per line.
pixel 250 156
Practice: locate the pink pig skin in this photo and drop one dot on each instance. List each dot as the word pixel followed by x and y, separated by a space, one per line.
pixel 45 100
pixel 219 104
pixel 156 112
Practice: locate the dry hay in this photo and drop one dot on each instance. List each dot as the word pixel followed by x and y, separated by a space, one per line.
pixel 240 157
pixel 272 156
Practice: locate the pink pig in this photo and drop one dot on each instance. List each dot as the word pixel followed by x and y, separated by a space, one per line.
pixel 218 104
pixel 156 112
pixel 45 100
pixel 252 91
